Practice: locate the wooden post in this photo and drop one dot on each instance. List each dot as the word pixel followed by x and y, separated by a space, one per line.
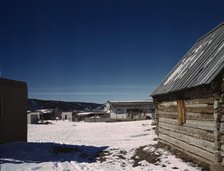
pixel 156 117
pixel 181 112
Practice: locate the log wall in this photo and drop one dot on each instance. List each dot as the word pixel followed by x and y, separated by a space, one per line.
pixel 198 136
pixel 219 116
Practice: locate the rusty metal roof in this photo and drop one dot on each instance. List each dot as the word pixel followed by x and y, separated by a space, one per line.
pixel 199 66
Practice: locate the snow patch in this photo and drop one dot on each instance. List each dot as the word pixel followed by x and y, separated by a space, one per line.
pixel 87 146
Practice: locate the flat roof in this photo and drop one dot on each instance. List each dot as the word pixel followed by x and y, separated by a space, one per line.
pixel 12 82
pixel 131 101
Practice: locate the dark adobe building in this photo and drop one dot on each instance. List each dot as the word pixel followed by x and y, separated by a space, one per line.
pixel 13 111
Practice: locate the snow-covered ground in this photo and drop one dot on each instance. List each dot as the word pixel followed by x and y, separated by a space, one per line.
pixel 78 146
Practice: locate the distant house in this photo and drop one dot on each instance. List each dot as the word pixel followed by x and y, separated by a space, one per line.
pixel 85 116
pixel 190 101
pixel 132 110
pixel 13 111
pixel 69 115
pixel 56 113
pixel 92 116
pixel 46 114
pixel 81 116
pixel 33 117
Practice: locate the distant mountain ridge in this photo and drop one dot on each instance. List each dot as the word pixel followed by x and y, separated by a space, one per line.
pixel 34 104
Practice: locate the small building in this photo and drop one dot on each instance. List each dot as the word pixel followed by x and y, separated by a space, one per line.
pixel 69 115
pixel 93 116
pixel 81 116
pixel 131 110
pixel 56 113
pixel 46 114
pixel 33 117
pixel 13 111
pixel 189 102
pixel 85 116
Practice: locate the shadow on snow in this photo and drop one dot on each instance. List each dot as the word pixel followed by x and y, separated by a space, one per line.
pixel 21 152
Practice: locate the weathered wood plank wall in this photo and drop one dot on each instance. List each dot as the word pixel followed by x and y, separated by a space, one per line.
pixel 219 116
pixel 196 137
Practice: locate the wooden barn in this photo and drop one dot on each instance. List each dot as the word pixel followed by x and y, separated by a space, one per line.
pixel 189 102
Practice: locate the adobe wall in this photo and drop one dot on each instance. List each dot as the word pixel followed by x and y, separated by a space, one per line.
pixel 13 119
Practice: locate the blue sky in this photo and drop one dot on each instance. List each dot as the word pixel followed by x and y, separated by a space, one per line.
pixel 94 51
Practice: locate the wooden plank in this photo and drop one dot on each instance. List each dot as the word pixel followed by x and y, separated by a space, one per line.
pixel 199 116
pixel 208 101
pixel 206 125
pixel 222 128
pixel 168 104
pixel 167 113
pixel 168 109
pixel 222 139
pixel 189 148
pixel 190 116
pixel 199 109
pixel 198 133
pixel 222 110
pixel 171 115
pixel 196 105
pixel 168 120
pixel 200 143
pixel 202 159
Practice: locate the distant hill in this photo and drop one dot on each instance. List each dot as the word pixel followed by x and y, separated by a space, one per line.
pixel 34 104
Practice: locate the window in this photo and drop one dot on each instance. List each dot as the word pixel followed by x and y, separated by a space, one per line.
pixel 181 112
pixel 136 111
pixel 119 111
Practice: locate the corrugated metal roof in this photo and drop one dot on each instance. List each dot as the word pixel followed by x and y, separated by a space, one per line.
pixel 200 65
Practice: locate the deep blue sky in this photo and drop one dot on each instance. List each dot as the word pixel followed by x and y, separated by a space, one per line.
pixel 95 51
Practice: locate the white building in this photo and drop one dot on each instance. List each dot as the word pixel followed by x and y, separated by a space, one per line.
pixel 135 110
pixel 67 116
